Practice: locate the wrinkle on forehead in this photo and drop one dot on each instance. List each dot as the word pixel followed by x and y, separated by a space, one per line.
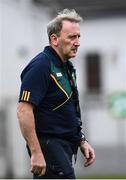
pixel 70 27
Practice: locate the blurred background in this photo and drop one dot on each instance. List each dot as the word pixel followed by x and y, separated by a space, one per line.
pixel 101 74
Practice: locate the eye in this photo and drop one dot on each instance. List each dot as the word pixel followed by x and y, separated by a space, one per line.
pixel 72 37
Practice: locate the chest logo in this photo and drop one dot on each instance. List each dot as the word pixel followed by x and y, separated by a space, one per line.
pixel 59 74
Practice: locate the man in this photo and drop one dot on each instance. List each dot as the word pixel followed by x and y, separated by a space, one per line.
pixel 48 109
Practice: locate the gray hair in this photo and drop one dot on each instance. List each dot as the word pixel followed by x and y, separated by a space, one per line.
pixel 55 25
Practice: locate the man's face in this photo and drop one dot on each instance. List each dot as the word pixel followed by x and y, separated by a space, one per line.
pixel 68 40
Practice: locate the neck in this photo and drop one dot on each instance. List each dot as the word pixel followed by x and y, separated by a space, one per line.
pixel 63 59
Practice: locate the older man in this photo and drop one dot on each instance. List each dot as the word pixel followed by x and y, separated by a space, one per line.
pixel 48 110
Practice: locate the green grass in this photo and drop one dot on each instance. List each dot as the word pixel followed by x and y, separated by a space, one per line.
pixel 118 176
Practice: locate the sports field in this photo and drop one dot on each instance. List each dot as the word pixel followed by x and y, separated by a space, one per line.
pixel 118 176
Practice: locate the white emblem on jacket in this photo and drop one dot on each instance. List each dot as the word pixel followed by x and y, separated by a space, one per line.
pixel 59 74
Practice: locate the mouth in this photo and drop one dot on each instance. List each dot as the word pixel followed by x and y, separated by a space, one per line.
pixel 74 50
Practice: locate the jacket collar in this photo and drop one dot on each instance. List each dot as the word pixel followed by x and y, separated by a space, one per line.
pixel 54 56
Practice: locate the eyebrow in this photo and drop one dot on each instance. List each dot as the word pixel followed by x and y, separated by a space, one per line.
pixel 73 35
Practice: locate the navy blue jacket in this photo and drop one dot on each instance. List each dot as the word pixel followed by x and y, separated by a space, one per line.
pixel 46 85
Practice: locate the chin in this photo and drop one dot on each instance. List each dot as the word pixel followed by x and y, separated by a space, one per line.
pixel 73 55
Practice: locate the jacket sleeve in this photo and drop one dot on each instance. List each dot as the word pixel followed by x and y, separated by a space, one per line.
pixel 35 82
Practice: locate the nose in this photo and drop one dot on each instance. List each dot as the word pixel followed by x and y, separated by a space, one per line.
pixel 77 42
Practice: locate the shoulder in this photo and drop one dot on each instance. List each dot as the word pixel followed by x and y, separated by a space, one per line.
pixel 39 61
pixel 37 65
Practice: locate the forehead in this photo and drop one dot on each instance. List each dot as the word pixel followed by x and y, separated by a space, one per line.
pixel 68 26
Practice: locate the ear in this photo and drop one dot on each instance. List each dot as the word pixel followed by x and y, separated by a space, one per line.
pixel 54 39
